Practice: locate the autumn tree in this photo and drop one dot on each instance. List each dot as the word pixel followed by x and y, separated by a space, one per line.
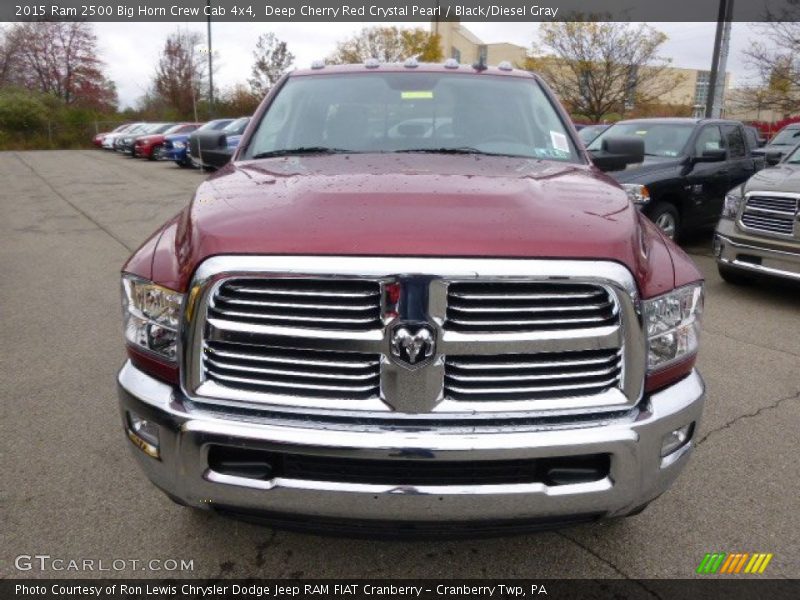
pixel 272 60
pixel 600 67
pixel 179 78
pixel 388 44
pixel 772 58
pixel 59 59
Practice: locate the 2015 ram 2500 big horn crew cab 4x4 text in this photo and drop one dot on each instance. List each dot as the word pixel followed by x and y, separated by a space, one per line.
pixel 411 300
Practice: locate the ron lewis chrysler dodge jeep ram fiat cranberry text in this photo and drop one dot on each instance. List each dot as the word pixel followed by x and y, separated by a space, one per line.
pixel 412 301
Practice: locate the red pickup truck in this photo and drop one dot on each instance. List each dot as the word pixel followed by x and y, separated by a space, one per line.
pixel 412 303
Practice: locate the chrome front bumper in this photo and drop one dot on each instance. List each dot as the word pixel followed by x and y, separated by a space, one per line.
pixel 637 474
pixel 739 254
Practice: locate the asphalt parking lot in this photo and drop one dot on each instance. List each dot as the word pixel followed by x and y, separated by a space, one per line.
pixel 71 489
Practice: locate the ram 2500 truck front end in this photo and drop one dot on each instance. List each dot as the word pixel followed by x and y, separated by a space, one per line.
pixel 414 339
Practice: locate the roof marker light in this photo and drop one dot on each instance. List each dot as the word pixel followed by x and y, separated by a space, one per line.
pixel 318 64
pixel 411 63
pixel 505 66
pixel 451 63
pixel 372 63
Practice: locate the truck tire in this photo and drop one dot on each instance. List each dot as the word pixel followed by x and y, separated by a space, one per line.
pixel 734 276
pixel 666 218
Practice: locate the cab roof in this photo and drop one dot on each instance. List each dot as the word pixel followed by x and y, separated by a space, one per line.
pixel 449 67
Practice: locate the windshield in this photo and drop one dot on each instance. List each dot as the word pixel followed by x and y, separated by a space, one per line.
pixel 793 158
pixel 237 127
pixel 159 127
pixel 660 139
pixel 786 137
pixel 215 125
pixel 588 133
pixel 412 112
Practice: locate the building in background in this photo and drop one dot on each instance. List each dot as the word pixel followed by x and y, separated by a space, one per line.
pixel 689 94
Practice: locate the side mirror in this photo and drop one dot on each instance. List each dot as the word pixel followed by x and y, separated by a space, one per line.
pixel 773 157
pixel 709 155
pixel 616 153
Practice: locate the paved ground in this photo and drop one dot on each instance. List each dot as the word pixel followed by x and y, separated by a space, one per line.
pixel 71 490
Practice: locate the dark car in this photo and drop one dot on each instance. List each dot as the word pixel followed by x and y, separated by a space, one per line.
pixel 211 149
pixel 588 133
pixel 688 167
pixel 782 142
pixel 755 137
pixel 176 145
pixel 759 231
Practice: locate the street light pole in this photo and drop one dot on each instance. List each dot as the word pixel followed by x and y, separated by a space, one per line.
pixel 712 79
pixel 210 63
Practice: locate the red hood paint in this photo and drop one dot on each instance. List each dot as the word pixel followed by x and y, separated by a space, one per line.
pixel 412 205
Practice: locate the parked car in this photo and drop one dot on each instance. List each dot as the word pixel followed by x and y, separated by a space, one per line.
pixel 470 330
pixel 127 142
pixel 759 232
pixel 121 140
pixel 783 141
pixel 110 139
pixel 97 140
pixel 755 137
pixel 150 145
pixel 688 167
pixel 588 133
pixel 176 146
pixel 213 149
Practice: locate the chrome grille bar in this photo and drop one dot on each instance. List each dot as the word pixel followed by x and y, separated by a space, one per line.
pixel 774 214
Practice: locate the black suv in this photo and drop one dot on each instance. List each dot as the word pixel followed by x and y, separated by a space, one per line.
pixel 688 167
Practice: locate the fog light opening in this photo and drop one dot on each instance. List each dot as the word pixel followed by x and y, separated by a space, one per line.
pixel 143 433
pixel 677 439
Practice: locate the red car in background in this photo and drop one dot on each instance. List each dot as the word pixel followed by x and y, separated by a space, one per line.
pixel 150 146
pixel 98 139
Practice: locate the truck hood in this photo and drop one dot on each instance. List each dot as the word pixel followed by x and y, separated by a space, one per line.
pixel 781 178
pixel 407 205
pixel 641 172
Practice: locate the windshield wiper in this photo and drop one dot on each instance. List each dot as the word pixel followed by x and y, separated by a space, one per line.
pixel 459 150
pixel 302 150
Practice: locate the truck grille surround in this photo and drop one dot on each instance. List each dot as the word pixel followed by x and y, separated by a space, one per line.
pixel 771 214
pixel 322 335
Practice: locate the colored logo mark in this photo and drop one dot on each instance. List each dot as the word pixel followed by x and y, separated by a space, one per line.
pixel 734 563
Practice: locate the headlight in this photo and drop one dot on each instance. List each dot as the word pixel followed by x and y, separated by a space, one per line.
pixel 178 145
pixel 639 194
pixel 673 325
pixel 151 315
pixel 733 202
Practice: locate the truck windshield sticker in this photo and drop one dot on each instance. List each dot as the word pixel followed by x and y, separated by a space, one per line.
pixel 559 141
pixel 417 95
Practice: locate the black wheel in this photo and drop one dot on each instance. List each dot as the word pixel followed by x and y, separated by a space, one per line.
pixel 734 276
pixel 155 153
pixel 666 218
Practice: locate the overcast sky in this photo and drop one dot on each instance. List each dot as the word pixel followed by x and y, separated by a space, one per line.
pixel 130 50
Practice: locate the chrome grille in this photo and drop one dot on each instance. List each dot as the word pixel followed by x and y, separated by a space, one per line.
pixel 318 303
pixel 278 370
pixel 315 334
pixel 524 306
pixel 532 376
pixel 771 214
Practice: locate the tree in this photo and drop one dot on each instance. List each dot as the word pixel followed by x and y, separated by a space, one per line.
pixel 773 60
pixel 600 67
pixel 388 44
pixel 181 69
pixel 272 60
pixel 59 58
